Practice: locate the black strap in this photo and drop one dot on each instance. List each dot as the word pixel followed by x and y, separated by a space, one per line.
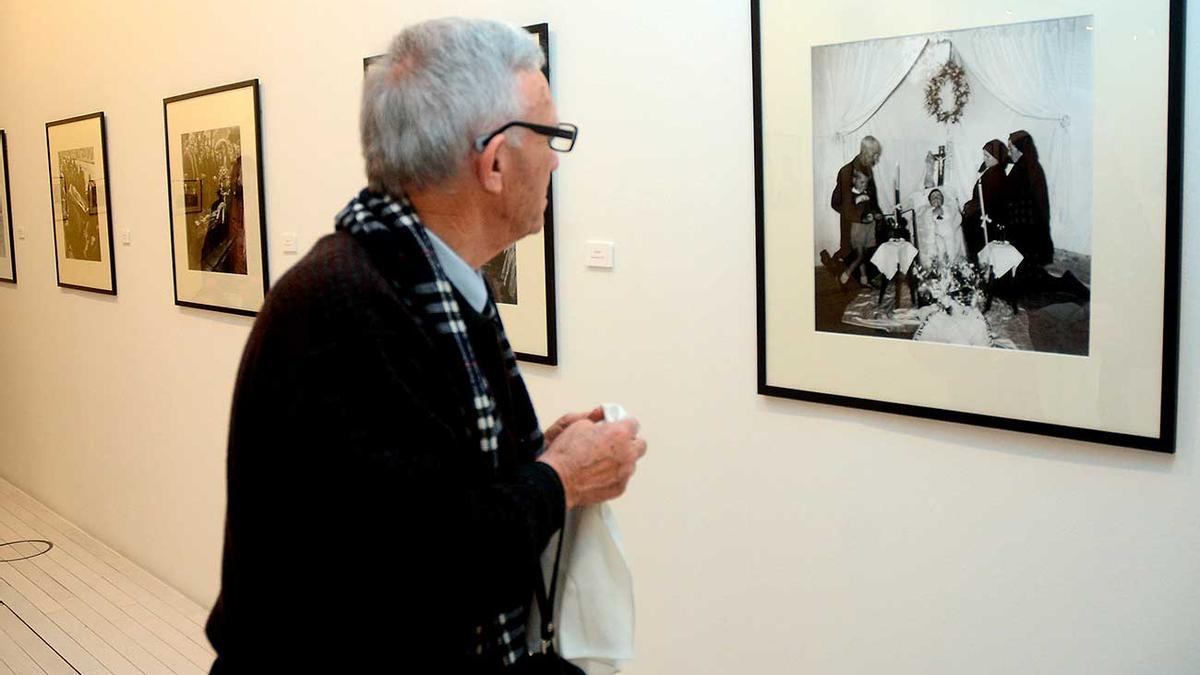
pixel 546 605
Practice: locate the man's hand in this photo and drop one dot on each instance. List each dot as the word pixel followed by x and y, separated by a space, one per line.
pixel 595 461
pixel 551 433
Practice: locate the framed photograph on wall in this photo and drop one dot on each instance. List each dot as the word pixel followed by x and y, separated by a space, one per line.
pixel 8 256
pixel 522 277
pixel 215 198
pixel 944 207
pixel 77 155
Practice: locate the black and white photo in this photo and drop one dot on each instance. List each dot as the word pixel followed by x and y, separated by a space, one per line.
pixel 971 212
pixel 501 273
pixel 957 174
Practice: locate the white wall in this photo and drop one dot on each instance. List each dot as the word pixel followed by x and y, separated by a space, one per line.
pixel 766 535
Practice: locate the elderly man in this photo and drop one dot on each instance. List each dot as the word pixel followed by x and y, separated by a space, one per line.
pixel 390 490
pixel 848 201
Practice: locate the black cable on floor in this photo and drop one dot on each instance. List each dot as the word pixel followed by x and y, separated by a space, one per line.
pixel 49 545
pixel 31 630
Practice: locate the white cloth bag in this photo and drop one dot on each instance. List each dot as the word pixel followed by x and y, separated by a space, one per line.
pixel 593 607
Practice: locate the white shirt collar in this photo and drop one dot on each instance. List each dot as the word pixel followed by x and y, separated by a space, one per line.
pixel 468 281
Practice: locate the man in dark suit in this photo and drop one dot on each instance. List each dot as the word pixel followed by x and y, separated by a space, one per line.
pixel 843 199
pixel 390 488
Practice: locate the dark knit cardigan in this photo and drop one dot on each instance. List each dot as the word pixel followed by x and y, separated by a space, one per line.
pixel 365 531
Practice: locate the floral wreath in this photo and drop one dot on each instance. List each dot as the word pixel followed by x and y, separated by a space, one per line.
pixel 953 73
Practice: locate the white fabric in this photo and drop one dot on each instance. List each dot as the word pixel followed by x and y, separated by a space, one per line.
pixel 1024 65
pixel 938 239
pixel 858 78
pixel 1001 256
pixel 894 257
pixel 958 325
pixel 594 603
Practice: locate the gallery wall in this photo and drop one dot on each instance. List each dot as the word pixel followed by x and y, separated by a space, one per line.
pixel 765 535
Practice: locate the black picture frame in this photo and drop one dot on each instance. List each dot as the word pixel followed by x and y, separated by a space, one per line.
pixel 254 288
pixel 1165 440
pixel 67 274
pixel 6 212
pixel 548 357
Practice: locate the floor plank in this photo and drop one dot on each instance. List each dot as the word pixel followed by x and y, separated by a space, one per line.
pixel 14 657
pixel 81 607
pixel 71 648
pixel 46 658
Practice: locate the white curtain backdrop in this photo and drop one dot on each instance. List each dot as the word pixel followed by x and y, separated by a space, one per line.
pixel 851 82
pixel 1034 76
pixel 856 79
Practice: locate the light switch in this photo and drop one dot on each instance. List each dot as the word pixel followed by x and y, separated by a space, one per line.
pixel 600 254
pixel 21 233
pixel 126 237
pixel 290 242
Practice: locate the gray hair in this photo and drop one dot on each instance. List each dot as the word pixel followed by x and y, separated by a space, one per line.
pixel 442 83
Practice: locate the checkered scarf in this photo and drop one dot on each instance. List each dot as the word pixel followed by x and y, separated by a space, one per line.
pixel 390 230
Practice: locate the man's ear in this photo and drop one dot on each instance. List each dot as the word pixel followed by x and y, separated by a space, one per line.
pixel 488 165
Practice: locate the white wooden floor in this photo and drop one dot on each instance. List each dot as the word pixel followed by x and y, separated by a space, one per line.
pixel 82 608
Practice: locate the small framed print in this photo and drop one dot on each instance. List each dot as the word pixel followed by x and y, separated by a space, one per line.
pixel 522 276
pixel 978 157
pixel 8 257
pixel 215 198
pixel 77 155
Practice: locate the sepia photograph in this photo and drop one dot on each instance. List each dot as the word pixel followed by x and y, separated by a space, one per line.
pixel 213 200
pixel 76 151
pixel 77 193
pixel 952 174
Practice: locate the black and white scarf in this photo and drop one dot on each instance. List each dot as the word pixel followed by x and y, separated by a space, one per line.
pixel 390 230
pixel 386 227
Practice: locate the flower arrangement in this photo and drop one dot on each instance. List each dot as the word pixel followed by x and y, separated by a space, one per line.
pixel 948 285
pixel 954 74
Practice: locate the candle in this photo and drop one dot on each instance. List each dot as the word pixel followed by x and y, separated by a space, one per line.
pixel 897 186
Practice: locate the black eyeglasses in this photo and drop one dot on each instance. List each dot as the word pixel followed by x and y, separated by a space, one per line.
pixel 561 137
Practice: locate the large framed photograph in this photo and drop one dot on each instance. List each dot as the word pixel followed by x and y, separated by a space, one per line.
pixel 522 276
pixel 77 155
pixel 8 256
pixel 950 204
pixel 215 197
